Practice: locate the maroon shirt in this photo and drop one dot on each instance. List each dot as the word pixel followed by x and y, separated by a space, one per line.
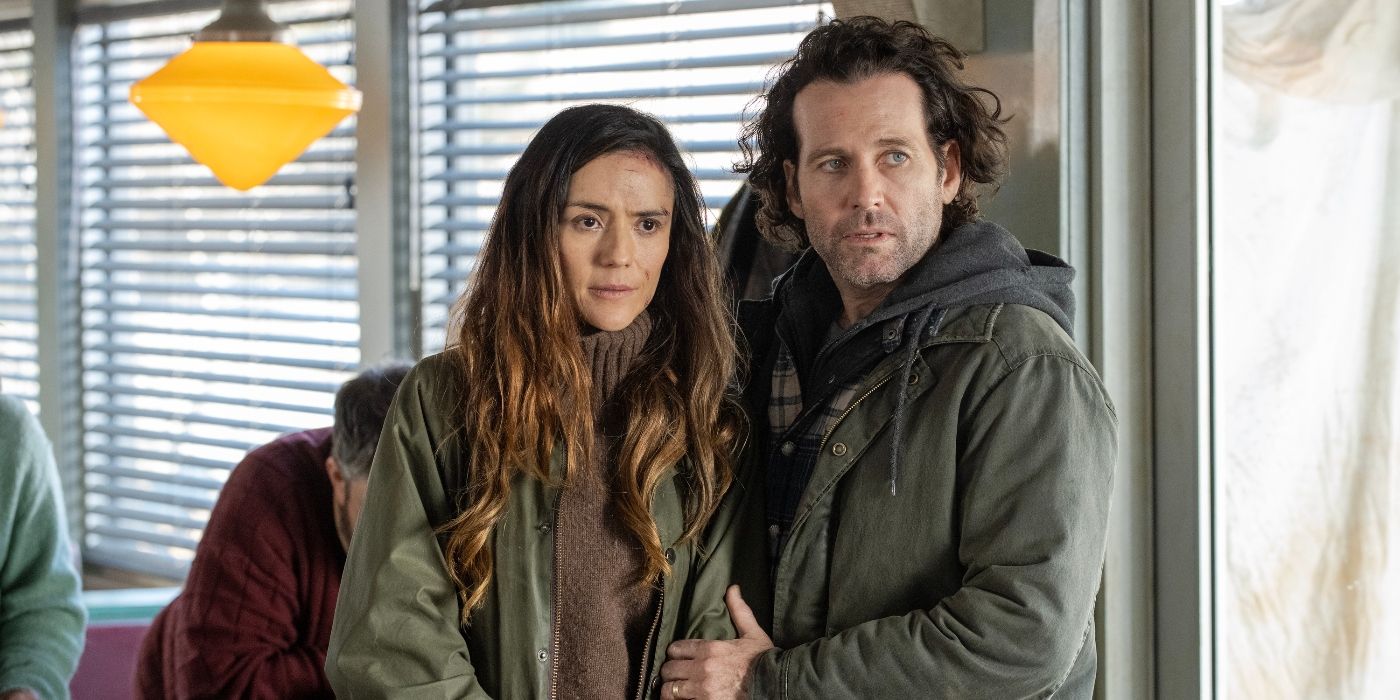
pixel 255 615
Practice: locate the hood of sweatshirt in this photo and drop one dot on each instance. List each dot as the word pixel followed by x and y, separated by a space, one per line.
pixel 976 263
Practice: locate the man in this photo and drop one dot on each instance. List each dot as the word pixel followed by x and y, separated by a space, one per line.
pixel 939 454
pixel 254 619
pixel 41 607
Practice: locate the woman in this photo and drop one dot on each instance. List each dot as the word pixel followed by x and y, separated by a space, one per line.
pixel 571 449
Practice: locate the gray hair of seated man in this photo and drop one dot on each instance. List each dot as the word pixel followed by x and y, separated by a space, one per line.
pixel 361 405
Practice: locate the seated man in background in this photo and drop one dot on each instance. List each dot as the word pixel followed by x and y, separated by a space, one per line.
pixel 255 615
pixel 41 609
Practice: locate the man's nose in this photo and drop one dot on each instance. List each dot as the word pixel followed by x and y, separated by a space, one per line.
pixel 867 188
pixel 616 249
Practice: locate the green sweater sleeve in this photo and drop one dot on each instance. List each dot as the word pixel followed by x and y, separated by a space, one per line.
pixel 41 610
pixel 395 633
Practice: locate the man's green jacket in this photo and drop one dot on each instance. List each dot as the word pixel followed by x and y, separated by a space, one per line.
pixel 977 577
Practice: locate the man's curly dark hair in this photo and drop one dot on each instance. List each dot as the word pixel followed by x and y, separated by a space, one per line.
pixel 849 51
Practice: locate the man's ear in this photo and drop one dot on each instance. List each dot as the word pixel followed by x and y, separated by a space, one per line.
pixel 794 199
pixel 952 170
pixel 333 472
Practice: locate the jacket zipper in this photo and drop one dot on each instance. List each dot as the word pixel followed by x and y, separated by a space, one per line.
pixel 850 407
pixel 646 647
pixel 554 605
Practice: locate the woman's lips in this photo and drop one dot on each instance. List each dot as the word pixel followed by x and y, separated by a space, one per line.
pixel 611 291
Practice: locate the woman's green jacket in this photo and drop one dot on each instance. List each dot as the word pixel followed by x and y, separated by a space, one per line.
pixel 396 631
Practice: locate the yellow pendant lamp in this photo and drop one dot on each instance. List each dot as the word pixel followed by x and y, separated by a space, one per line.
pixel 242 100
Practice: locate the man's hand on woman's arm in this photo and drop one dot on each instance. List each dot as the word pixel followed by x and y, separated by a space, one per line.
pixel 698 669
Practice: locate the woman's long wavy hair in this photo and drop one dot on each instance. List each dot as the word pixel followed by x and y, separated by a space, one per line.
pixel 524 387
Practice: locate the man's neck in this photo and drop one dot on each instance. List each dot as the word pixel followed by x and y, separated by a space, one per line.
pixel 859 302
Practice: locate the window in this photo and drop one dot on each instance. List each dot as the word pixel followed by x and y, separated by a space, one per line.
pixel 19 369
pixel 489 77
pixel 212 320
pixel 1306 270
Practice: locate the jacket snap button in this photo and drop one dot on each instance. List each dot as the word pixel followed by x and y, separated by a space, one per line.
pixel 788 449
pixel 913 379
pixel 544 528
pixel 838 449
pixel 543 655
pixel 670 555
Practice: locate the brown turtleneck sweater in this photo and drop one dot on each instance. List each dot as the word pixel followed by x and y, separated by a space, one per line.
pixel 604 616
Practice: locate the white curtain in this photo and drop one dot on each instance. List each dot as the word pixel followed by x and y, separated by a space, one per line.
pixel 1334 50
pixel 1306 175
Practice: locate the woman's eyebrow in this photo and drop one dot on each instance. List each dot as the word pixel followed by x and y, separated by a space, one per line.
pixel 603 208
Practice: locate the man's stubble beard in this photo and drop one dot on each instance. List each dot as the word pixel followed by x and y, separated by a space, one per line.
pixel 907 250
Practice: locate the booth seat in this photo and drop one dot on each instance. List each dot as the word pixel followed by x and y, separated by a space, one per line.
pixel 117 622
